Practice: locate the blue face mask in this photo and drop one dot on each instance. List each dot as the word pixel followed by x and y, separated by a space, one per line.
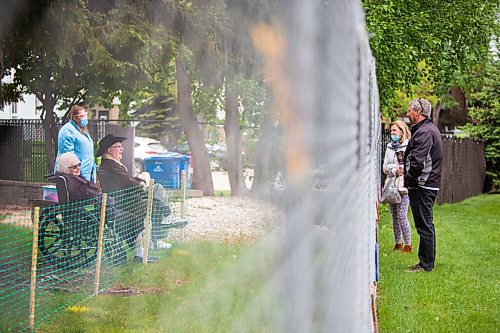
pixel 395 138
pixel 84 122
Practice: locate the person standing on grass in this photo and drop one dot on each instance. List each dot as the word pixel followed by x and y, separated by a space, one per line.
pixel 75 137
pixel 393 161
pixel 422 175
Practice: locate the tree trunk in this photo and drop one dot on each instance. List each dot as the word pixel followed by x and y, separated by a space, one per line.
pixel 266 159
pixel 233 142
pixel 51 131
pixel 462 113
pixel 435 114
pixel 202 175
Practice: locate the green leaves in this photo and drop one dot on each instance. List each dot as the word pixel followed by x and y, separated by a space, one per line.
pixel 451 37
pixel 485 109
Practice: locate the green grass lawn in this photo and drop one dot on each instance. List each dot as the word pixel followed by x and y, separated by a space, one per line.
pixel 204 286
pixel 199 287
pixel 462 293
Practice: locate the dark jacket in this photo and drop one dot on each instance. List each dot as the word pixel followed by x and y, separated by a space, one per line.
pixel 423 156
pixel 130 201
pixel 113 176
pixel 80 188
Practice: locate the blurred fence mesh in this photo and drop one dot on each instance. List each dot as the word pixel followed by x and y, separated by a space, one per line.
pixel 326 101
pixel 67 248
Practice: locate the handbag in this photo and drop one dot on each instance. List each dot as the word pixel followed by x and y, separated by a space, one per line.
pixel 390 193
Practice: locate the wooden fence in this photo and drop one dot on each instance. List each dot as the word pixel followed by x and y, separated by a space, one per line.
pixel 464 169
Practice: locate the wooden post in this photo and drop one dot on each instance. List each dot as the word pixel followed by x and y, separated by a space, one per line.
pixel 99 244
pixel 183 194
pixel 34 260
pixel 147 224
pixel 183 199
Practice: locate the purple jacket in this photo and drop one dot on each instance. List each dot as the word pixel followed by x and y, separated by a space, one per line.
pixel 80 188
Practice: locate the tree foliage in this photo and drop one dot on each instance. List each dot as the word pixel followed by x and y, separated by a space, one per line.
pixel 79 51
pixel 485 109
pixel 452 37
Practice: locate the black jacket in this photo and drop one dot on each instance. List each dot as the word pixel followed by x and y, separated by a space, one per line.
pixel 423 156
pixel 114 176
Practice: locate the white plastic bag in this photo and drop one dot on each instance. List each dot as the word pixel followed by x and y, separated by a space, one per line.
pixel 390 193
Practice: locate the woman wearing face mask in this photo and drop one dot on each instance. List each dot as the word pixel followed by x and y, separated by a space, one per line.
pixel 74 137
pixel 394 161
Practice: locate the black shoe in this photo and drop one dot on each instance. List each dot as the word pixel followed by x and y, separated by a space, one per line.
pixel 416 269
pixel 151 259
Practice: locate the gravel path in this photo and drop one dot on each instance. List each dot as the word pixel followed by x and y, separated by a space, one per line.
pixel 230 218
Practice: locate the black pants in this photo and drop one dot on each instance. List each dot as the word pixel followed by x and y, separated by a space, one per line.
pixel 422 202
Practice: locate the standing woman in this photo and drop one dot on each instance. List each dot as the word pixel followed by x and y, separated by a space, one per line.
pixel 394 161
pixel 74 137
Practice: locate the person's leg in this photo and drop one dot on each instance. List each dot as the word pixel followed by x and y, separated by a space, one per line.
pixel 139 251
pixel 421 202
pixel 403 219
pixel 396 226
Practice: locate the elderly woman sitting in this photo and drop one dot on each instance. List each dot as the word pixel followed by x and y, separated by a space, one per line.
pixel 79 188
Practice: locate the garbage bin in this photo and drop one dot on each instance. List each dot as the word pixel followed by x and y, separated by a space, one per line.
pixel 166 168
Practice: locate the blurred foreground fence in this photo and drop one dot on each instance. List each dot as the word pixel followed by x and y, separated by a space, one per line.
pixel 463 170
pixel 60 255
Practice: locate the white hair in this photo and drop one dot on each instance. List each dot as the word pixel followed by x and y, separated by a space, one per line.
pixel 422 105
pixel 65 160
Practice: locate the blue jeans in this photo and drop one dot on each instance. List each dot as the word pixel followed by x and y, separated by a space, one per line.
pixel 422 203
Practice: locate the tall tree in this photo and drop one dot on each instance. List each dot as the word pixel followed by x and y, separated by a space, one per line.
pixel 224 56
pixel 202 175
pixel 74 52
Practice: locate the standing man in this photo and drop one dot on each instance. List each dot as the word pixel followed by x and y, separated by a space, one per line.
pixel 422 173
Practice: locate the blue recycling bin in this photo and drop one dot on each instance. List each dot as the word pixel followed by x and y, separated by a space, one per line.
pixel 166 168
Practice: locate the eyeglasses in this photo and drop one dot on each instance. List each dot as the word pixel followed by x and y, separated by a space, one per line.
pixel 76 166
pixel 421 106
pixel 119 146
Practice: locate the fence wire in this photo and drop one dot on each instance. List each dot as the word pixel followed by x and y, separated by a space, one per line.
pixel 67 249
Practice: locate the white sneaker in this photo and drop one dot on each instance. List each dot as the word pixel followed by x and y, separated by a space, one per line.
pixel 162 245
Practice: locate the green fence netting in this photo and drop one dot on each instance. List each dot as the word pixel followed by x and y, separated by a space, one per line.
pixel 76 250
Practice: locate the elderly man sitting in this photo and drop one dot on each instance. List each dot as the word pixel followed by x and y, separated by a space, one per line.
pixel 128 191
